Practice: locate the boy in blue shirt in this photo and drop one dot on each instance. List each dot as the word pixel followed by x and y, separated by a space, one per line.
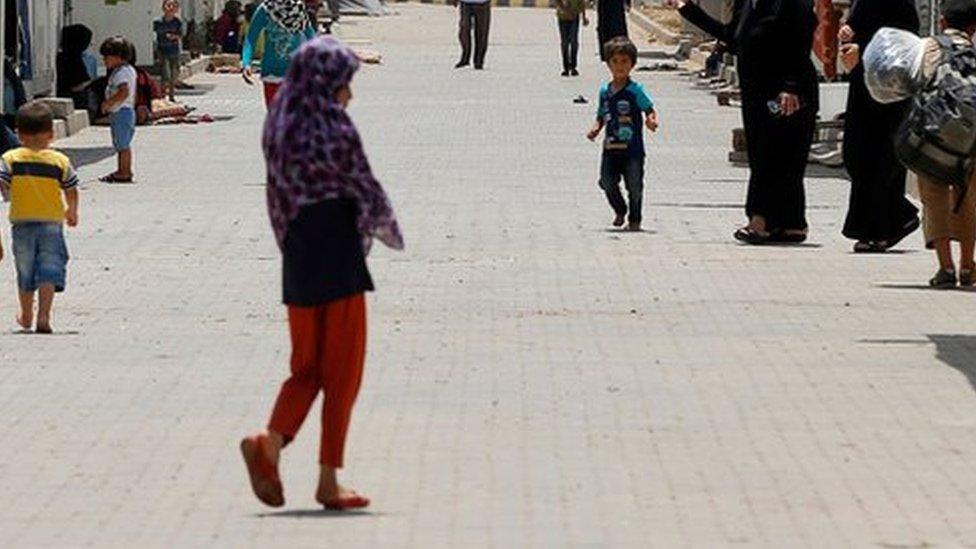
pixel 169 45
pixel 625 108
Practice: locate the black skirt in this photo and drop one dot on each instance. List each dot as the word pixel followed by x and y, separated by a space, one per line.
pixel 322 256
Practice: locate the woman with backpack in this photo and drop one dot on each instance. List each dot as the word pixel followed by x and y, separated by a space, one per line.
pixel 879 215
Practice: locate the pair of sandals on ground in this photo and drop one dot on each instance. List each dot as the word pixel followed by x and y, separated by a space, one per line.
pixel 754 235
pixel 262 468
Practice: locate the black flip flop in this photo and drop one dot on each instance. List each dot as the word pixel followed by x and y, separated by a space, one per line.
pixel 783 237
pixel 114 178
pixel 750 236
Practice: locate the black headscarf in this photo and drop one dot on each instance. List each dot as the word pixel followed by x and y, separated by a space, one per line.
pixel 75 39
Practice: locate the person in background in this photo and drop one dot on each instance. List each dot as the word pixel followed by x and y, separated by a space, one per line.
pixel 879 215
pixel 949 211
pixel 227 31
pixel 120 100
pixel 568 14
pixel 169 45
pixel 780 100
pixel 285 26
pixel 76 65
pixel 611 22
pixel 475 20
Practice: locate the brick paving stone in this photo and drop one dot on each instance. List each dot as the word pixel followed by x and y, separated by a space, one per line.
pixel 533 380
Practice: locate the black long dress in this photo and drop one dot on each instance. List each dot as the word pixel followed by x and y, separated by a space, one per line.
pixel 773 40
pixel 878 208
pixel 611 20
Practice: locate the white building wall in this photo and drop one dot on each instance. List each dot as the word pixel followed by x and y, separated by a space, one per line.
pixel 130 18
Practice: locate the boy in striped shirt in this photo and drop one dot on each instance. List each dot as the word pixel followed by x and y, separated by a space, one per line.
pixel 37 181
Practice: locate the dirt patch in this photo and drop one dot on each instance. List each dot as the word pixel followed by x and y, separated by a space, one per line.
pixel 669 18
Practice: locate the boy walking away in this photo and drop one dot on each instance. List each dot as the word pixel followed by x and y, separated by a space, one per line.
pixel 34 178
pixel 120 100
pixel 169 45
pixel 625 108
pixel 949 211
pixel 569 13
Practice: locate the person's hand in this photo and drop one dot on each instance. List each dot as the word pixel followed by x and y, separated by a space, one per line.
pixel 248 75
pixel 846 34
pixel 850 55
pixel 593 133
pixel 106 106
pixel 789 103
pixel 651 122
pixel 71 216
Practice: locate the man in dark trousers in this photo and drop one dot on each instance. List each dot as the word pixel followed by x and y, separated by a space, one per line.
pixel 475 19
pixel 773 40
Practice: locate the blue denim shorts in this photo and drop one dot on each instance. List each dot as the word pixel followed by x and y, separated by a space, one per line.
pixel 40 255
pixel 123 129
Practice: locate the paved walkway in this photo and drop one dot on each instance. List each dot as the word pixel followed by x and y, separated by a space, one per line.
pixel 534 379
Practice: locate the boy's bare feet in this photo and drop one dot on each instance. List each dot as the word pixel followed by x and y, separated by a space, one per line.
pixel 618 221
pixel 43 326
pixel 24 322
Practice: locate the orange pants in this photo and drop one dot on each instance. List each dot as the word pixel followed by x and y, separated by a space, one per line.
pixel 328 346
pixel 270 91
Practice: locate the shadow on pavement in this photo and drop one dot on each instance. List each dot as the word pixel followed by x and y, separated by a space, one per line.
pixel 318 513
pixel 926 287
pixel 957 351
pixel 89 155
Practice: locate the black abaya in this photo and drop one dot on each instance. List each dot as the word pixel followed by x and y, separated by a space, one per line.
pixel 773 40
pixel 878 209
pixel 611 20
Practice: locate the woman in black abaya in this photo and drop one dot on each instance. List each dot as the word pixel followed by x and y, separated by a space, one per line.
pixel 879 215
pixel 611 21
pixel 773 40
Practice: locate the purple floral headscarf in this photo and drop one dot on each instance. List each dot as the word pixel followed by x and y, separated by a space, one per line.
pixel 313 150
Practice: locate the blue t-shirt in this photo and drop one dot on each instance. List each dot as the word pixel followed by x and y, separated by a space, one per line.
pixel 164 28
pixel 622 116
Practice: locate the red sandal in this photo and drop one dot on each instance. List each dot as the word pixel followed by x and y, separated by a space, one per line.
pixel 265 480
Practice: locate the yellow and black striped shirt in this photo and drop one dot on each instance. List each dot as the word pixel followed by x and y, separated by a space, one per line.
pixel 33 181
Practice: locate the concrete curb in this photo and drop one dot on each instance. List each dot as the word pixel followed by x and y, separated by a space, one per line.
pixel 656 30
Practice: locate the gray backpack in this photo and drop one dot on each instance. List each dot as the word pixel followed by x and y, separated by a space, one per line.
pixel 938 138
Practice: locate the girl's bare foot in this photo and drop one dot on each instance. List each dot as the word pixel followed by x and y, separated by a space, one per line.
pixel 334 496
pixel 43 327
pixel 338 498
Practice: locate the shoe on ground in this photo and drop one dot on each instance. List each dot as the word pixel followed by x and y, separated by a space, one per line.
pixel 565 73
pixel 618 221
pixel 966 278
pixel 634 227
pixel 461 64
pixel 574 72
pixel 944 279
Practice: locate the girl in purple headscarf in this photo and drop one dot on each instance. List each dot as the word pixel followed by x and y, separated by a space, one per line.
pixel 326 208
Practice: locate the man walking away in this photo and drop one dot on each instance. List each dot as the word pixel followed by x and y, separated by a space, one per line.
pixel 476 19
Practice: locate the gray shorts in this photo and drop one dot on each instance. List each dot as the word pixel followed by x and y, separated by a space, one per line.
pixel 171 69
